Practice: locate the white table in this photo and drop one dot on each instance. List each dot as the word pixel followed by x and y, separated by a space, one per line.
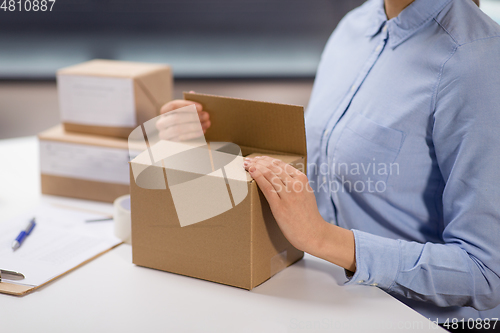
pixel 110 294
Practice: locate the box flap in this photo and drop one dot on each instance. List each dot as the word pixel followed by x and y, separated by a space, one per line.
pixel 262 125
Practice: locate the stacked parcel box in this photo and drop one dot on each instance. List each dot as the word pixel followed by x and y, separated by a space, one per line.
pixel 101 102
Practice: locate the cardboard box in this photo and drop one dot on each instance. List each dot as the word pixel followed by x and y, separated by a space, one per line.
pixel 83 166
pixel 242 246
pixel 111 98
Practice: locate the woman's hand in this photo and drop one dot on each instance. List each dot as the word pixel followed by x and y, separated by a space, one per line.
pixel 182 126
pixel 291 200
pixel 294 207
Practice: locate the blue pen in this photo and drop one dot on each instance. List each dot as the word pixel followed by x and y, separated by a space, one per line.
pixel 23 234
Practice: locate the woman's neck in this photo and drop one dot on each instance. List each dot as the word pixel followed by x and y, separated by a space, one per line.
pixel 394 7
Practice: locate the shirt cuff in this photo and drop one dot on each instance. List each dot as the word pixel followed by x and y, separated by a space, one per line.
pixel 377 260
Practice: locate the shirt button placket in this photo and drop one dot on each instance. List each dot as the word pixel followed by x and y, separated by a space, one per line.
pixel 339 113
pixel 354 88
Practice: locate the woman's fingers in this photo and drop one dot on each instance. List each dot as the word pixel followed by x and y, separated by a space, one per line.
pixel 279 186
pixel 205 125
pixel 179 103
pixel 182 132
pixel 264 184
pixel 174 125
pixel 292 180
pixel 287 168
pixel 203 115
pixel 276 168
pixel 176 118
pixel 283 170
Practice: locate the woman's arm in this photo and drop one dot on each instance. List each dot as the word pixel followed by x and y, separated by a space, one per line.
pixel 294 206
pixel 465 270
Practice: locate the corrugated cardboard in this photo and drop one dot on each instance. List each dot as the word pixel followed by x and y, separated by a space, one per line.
pixel 79 186
pixel 152 87
pixel 244 246
pixel 255 126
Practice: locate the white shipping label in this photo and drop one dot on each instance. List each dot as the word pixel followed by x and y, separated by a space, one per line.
pixel 101 164
pixel 97 101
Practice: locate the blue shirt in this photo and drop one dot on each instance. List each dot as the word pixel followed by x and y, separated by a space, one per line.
pixel 403 132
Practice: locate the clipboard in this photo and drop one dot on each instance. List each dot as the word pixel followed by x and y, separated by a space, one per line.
pixel 21 290
pixel 61 242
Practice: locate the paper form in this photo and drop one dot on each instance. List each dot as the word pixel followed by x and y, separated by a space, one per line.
pixel 60 241
pixel 99 101
pixel 100 164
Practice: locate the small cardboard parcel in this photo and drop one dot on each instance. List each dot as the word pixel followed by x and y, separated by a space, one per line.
pixel 111 98
pixel 84 166
pixel 241 246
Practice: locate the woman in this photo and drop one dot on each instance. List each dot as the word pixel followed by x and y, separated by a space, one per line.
pixel 403 153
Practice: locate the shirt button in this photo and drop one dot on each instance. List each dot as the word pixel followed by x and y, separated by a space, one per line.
pixel 378 48
pixel 353 88
pixel 332 222
pixel 326 133
pixel 361 281
pixel 324 179
pixel 374 284
pixel 385 28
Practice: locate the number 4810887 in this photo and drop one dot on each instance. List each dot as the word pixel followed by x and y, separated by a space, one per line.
pixel 27 5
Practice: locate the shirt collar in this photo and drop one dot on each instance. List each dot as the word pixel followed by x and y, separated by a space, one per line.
pixel 407 22
pixel 378 17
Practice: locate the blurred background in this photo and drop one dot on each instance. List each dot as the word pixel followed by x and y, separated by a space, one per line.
pixel 258 49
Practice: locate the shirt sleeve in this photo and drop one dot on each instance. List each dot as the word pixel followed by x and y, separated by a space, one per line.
pixel 464 271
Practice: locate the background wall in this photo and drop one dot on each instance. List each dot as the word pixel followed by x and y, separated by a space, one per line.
pixel 200 38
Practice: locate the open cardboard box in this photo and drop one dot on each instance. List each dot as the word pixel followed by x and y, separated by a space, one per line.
pixel 109 97
pixel 242 246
